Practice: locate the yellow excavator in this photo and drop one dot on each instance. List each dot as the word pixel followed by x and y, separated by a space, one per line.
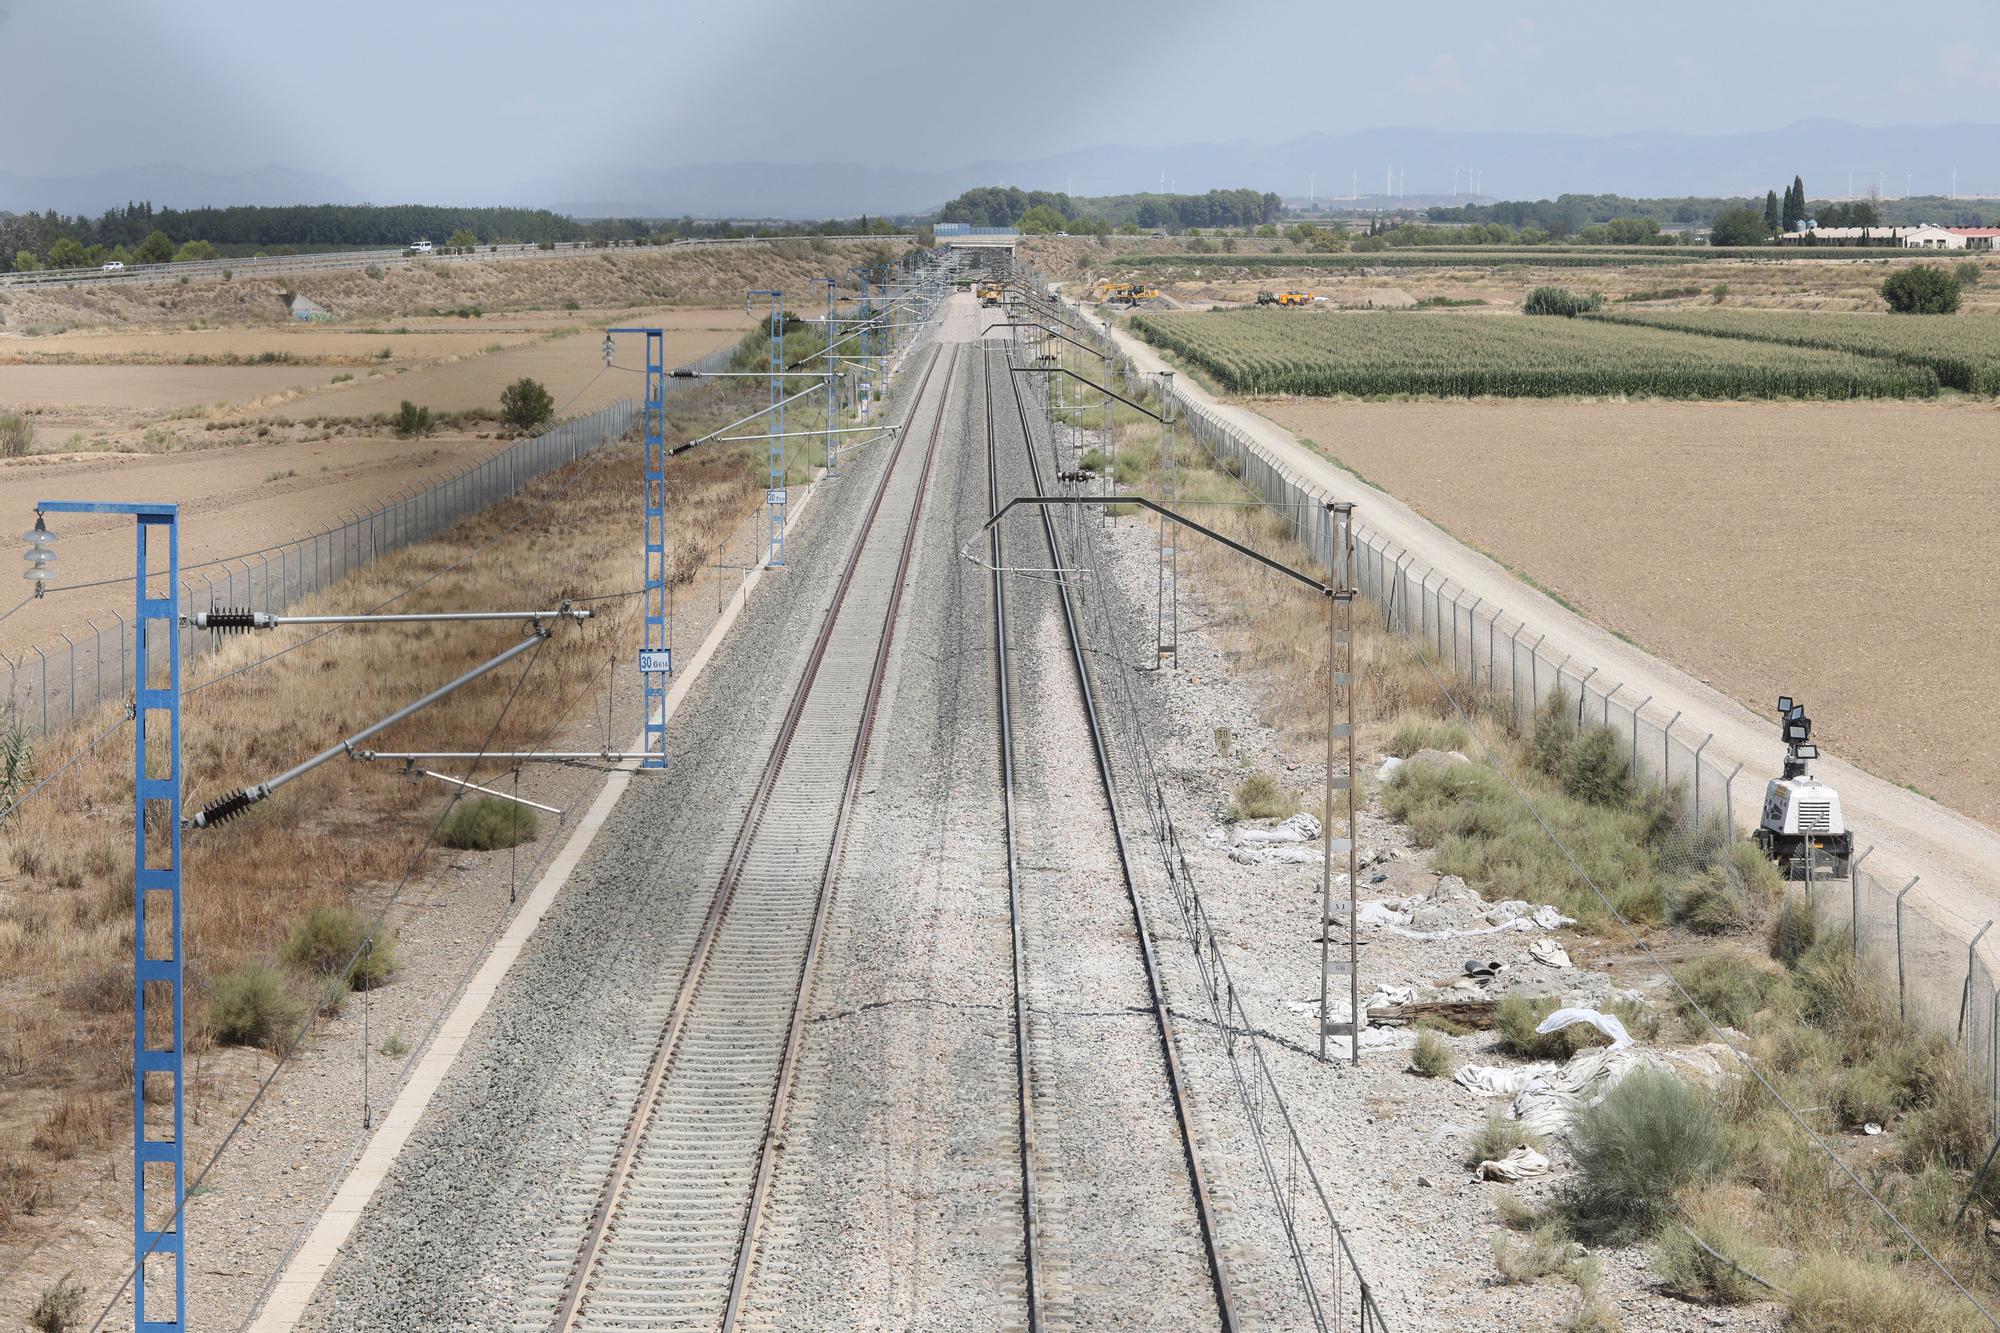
pixel 1286 300
pixel 989 293
pixel 1124 293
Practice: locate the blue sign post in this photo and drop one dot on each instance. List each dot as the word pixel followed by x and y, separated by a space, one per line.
pixel 157 957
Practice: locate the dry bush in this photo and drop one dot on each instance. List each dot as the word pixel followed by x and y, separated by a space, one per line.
pixel 16 435
pixel 1694 1273
pixel 59 1307
pixel 1431 1058
pixel 1260 797
pixel 1544 1251
pixel 1500 1135
pixel 487 824
pixel 1844 1293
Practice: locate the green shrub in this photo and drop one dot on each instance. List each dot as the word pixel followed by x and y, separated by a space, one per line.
pixel 1593 770
pixel 250 1005
pixel 15 435
pixel 1426 734
pixel 1844 1293
pixel 1514 1022
pixel 1555 732
pixel 1948 1127
pixel 1650 1135
pixel 1794 931
pixel 411 419
pixel 487 824
pixel 1260 797
pixel 526 405
pixel 1966 274
pixel 1729 986
pixel 332 934
pixel 1484 833
pixel 1921 289
pixel 60 1307
pixel 1559 301
pixel 1711 904
pixel 1432 1058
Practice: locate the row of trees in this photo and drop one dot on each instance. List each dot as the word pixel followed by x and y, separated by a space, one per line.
pixel 143 234
pixel 1050 211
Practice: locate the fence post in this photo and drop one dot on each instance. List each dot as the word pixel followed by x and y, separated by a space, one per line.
pixel 1729 799
pixel 1535 675
pixel 72 674
pixel 1699 775
pixel 1582 687
pixel 1854 904
pixel 1965 996
pixel 1902 1002
pixel 96 663
pixel 121 654
pixel 45 691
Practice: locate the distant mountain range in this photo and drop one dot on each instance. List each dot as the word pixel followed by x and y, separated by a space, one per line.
pixel 1831 155
pixel 168 185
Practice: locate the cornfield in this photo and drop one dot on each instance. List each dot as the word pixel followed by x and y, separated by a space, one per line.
pixel 1458 356
pixel 1962 350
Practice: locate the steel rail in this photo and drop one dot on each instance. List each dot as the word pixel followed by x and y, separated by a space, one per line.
pixel 767 1154
pixel 1023 1072
pixel 590 1251
pixel 1162 1013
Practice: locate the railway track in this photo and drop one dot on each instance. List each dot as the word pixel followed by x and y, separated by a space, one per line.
pixel 1046 1309
pixel 672 1241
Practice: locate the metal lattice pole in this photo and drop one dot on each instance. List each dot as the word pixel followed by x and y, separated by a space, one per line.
pixel 774 494
pixel 655 651
pixel 1169 617
pixel 157 956
pixel 832 384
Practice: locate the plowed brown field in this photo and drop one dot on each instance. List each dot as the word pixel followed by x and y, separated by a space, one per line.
pixel 1842 553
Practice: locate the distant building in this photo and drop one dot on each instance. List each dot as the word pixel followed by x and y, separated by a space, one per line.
pixel 1925 237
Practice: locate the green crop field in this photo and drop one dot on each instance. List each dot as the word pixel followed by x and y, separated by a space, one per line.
pixel 1459 356
pixel 1962 350
pixel 1503 257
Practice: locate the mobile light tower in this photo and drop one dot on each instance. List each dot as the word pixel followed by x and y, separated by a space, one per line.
pixel 159 1165
pixel 774 493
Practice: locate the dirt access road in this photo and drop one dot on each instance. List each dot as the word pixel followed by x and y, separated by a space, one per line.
pixel 1956 856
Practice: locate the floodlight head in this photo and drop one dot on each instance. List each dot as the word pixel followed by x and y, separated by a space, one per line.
pixel 1799 730
pixel 1806 751
pixel 1784 703
pixel 1796 712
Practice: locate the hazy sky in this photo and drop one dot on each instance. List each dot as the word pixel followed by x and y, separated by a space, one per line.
pixel 437 100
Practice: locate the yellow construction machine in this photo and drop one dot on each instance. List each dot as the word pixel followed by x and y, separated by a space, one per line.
pixel 1286 300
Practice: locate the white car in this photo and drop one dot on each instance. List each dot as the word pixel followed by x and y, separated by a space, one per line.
pixel 114 266
pixel 421 248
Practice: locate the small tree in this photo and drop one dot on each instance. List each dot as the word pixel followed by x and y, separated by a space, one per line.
pixel 413 420
pixel 1921 289
pixel 25 261
pixel 462 240
pixel 68 252
pixel 1042 220
pixel 1773 219
pixel 1967 274
pixel 192 251
pixel 155 249
pixel 526 405
pixel 1738 226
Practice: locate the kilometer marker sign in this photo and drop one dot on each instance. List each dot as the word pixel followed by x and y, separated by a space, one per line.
pixel 656 659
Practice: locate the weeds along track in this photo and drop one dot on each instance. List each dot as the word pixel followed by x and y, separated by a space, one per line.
pixel 1121 1218
pixel 672 1241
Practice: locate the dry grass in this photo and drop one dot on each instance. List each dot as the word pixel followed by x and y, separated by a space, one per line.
pixel 336 840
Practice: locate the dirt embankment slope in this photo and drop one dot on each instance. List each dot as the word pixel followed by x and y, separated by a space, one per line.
pixel 677 275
